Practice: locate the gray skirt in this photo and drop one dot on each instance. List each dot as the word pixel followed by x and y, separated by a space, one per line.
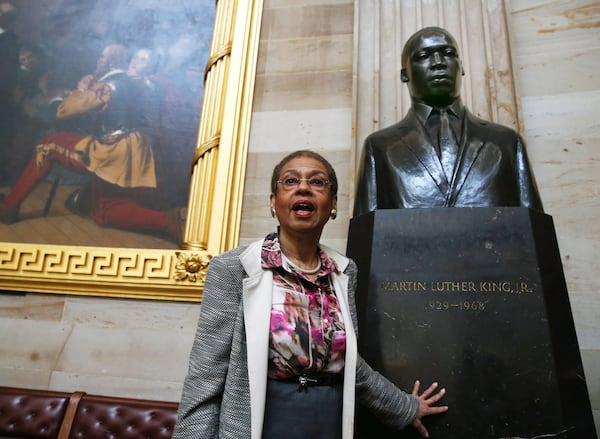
pixel 314 413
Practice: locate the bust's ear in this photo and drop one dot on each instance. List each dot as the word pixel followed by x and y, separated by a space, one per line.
pixel 403 75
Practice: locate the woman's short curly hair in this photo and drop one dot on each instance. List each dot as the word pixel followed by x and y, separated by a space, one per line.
pixel 333 183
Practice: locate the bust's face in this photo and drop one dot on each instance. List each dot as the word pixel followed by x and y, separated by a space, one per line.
pixel 433 70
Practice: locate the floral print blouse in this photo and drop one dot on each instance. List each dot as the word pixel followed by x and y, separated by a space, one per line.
pixel 307 330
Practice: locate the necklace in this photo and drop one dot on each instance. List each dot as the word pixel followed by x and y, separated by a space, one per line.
pixel 301 270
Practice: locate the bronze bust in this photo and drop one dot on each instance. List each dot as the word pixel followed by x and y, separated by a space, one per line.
pixel 440 154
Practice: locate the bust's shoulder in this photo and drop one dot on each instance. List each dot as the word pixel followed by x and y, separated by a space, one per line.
pixel 394 131
pixel 489 126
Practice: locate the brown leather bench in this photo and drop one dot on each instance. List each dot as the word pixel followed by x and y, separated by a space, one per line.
pixel 43 414
pixel 33 414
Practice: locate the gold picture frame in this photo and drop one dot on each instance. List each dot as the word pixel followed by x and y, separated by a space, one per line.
pixel 216 189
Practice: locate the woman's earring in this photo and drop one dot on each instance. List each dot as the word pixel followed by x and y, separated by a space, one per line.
pixel 333 214
pixel 273 212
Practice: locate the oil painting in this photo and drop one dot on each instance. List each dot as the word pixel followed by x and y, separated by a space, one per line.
pixel 125 128
pixel 101 102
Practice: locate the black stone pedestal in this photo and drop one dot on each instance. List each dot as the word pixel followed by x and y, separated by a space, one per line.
pixel 475 299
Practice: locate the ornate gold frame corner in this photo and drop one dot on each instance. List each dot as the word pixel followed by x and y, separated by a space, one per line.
pixel 216 190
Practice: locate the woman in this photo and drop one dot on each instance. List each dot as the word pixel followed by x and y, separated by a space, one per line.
pixel 275 354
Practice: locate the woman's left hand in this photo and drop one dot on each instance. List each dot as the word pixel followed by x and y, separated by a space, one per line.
pixel 426 401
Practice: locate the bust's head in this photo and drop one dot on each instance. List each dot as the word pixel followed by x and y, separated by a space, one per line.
pixel 431 67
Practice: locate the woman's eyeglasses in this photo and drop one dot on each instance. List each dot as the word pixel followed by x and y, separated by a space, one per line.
pixel 315 183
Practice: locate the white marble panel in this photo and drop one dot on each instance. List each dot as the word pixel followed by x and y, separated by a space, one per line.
pixel 26 344
pixel 96 384
pixel 32 306
pixel 303 90
pixel 292 3
pixel 128 353
pixel 562 115
pixel 307 21
pixel 305 55
pixel 591 365
pixel 564 69
pixel 570 31
pixel 24 377
pixel 563 147
pixel 591 361
pixel 275 131
pixel 122 313
pixel 585 305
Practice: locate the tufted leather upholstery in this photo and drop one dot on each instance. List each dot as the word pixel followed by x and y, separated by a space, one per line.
pixel 44 414
pixel 31 414
pixel 123 418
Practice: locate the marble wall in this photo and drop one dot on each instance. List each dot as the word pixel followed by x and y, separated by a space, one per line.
pixel 304 99
pixel 130 348
pixel 557 51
